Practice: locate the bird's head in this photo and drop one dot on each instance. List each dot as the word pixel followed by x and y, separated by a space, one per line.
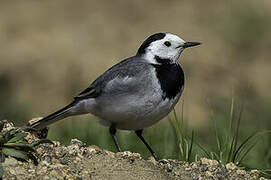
pixel 165 46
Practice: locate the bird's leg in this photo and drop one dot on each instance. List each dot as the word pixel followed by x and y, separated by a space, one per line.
pixel 113 131
pixel 139 134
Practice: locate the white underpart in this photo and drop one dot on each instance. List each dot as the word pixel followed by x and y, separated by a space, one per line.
pixel 131 110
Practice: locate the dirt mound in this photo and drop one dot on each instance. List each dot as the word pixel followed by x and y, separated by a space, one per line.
pixel 77 161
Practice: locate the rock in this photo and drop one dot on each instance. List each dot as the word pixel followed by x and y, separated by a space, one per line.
pixel 10 162
pixel 77 142
pixel 240 171
pixel 209 162
pixel 230 166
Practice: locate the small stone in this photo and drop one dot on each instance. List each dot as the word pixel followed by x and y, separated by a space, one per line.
pixel 208 161
pixel 11 171
pixel 254 171
pixel 126 154
pixel 109 153
pixel 231 166
pixel 39 150
pixel 223 171
pixel 77 142
pixel 77 159
pixel 169 168
pixel 203 168
pixel 212 168
pixel 136 155
pixel 187 169
pixel 31 170
pixel 95 147
pixel 64 161
pixel 47 177
pixel 195 177
pixel 8 126
pixel 56 143
pixel 152 160
pixel 208 174
pixel 45 163
pixel 204 161
pixel 163 161
pixel 60 152
pixel 48 159
pixel 214 163
pixel 54 173
pixel 240 171
pixel 10 162
pixel 194 165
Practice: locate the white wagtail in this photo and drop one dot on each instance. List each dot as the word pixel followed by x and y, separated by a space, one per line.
pixel 135 93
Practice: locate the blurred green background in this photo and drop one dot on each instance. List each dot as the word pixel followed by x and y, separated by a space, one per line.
pixel 51 50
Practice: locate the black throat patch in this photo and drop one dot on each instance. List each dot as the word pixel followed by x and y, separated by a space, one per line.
pixel 170 76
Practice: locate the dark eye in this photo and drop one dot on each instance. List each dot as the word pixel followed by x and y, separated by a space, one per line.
pixel 167 43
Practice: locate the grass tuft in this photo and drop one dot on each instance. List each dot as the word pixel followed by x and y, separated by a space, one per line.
pixel 185 143
pixel 228 148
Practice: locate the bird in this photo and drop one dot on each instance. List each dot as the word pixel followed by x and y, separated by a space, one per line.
pixel 135 93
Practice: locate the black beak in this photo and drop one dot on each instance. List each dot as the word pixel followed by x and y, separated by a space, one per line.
pixel 190 44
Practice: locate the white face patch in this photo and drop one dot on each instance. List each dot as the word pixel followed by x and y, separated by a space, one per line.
pixel 170 47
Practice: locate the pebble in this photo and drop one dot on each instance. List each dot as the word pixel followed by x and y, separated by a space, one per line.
pixel 48 159
pixel 231 166
pixel 203 168
pixel 126 154
pixel 254 171
pixel 10 161
pixel 77 142
pixel 209 161
pixel 194 165
pixel 208 174
pixel 109 153
pixel 240 171
pixel 152 160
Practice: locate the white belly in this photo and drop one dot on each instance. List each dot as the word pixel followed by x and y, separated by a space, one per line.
pixel 133 113
pixel 138 108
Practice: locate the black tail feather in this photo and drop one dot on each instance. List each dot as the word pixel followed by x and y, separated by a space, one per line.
pixel 58 115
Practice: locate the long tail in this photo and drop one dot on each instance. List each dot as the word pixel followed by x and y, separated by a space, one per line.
pixel 56 116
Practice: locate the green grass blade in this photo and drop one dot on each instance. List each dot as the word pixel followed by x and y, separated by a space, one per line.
pixel 204 150
pixel 17 137
pixel 238 127
pixel 231 118
pixel 246 152
pixel 23 147
pixel 2 157
pixel 15 153
pixel 1 171
pixel 191 147
pixel 242 146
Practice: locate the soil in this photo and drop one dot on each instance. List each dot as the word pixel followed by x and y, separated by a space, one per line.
pixel 77 161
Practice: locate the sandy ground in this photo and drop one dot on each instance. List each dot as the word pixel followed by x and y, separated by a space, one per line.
pixel 79 162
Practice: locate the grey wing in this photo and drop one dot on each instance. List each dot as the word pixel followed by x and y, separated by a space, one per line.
pixel 89 92
pixel 127 68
